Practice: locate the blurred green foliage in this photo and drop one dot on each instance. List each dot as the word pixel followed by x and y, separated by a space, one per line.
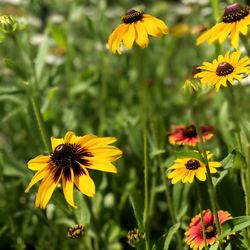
pixel 61 47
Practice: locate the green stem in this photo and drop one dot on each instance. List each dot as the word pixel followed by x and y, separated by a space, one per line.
pixel 146 193
pixel 163 174
pixel 202 218
pixel 216 9
pixel 39 119
pixel 211 189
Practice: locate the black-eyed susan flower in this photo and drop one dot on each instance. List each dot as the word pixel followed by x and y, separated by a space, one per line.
pixel 187 135
pixel 194 236
pixel 224 69
pixel 134 237
pixel 234 21
pixel 7 24
pixel 135 27
pixel 70 160
pixel 76 231
pixel 185 169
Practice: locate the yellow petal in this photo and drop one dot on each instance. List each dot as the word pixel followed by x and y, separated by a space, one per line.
pixel 129 37
pixel 98 142
pixel 141 34
pixel 68 187
pixel 201 174
pixel 55 142
pixel 101 165
pixel 110 153
pixel 69 136
pixel 37 177
pixel 156 22
pixel 85 184
pixel 235 36
pixel 46 190
pixel 39 162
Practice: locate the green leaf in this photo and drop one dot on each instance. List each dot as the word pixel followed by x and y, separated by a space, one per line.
pixel 15 68
pixel 163 242
pixel 41 56
pixel 215 246
pixel 239 161
pixel 137 203
pixel 82 212
pixel 189 154
pixel 234 225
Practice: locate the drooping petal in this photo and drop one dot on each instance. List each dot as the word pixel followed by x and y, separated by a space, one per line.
pixel 85 184
pixel 129 37
pixel 68 187
pixel 141 35
pixel 37 177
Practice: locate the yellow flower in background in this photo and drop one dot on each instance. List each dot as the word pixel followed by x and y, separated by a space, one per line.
pixel 225 69
pixel 135 27
pixel 185 169
pixel 70 160
pixel 234 21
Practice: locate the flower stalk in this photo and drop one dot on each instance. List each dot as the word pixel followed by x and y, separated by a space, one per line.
pixel 211 189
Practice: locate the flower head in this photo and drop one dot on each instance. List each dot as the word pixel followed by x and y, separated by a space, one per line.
pixel 135 27
pixel 234 21
pixel 225 69
pixel 194 236
pixel 185 169
pixel 7 24
pixel 134 237
pixel 70 160
pixel 187 135
pixel 76 231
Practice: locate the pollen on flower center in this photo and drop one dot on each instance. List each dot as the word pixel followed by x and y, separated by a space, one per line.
pixel 64 155
pixel 210 231
pixel 224 68
pixel 234 12
pixel 190 131
pixel 132 16
pixel 192 164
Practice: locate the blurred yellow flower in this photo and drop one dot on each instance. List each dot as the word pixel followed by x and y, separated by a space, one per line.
pixel 135 27
pixel 225 69
pixel 69 161
pixel 185 169
pixel 235 20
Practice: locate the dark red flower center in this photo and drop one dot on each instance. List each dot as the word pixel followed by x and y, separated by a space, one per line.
pixel 192 164
pixel 210 231
pixel 132 16
pixel 64 155
pixel 224 68
pixel 190 131
pixel 234 12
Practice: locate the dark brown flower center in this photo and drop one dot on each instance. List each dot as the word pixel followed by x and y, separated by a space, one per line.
pixel 192 164
pixel 224 68
pixel 132 16
pixel 64 155
pixel 210 231
pixel 234 12
pixel 190 131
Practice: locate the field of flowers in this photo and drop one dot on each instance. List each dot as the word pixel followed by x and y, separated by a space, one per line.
pixel 124 125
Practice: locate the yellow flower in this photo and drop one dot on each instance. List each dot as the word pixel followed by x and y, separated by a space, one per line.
pixel 70 160
pixel 225 69
pixel 235 20
pixel 136 26
pixel 185 169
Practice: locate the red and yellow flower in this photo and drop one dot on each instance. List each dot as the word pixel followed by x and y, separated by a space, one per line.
pixel 187 135
pixel 194 235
